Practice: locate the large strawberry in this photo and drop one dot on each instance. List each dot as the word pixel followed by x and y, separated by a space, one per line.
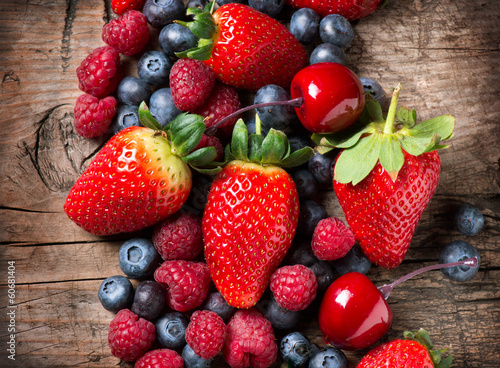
pixel 384 178
pixel 350 9
pixel 140 177
pixel 414 351
pixel 251 214
pixel 246 48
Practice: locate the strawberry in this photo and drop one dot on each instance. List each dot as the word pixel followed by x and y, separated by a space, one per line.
pixel 140 177
pixel 384 178
pixel 350 9
pixel 412 352
pixel 251 214
pixel 246 48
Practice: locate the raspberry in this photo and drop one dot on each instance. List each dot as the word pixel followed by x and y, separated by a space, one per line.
pixel 179 237
pixel 121 6
pixel 100 72
pixel 129 336
pixel 212 141
pixel 160 358
pixel 294 287
pixel 187 283
pixel 205 333
pixel 127 34
pixel 332 239
pixel 250 340
pixel 191 82
pixel 93 116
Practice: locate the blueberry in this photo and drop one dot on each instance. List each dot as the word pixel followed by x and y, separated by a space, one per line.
pixel 304 25
pixel 126 116
pixel 295 350
pixel 280 318
pixel 354 261
pixel 191 360
pixel 171 330
pixel 149 300
pixel 306 184
pixel 336 30
pixel 116 293
pixel 159 13
pixel 215 302
pixel 321 166
pixel 468 219
pixel 301 254
pixel 277 117
pixel 224 2
pixel 162 107
pixel 196 4
pixel 138 258
pixel 374 89
pixel 310 214
pixel 330 357
pixel 326 52
pixel 456 251
pixel 269 7
pixel 324 275
pixel 298 141
pixel 133 91
pixel 154 68
pixel 176 38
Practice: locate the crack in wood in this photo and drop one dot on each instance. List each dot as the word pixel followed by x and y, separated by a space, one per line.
pixel 66 36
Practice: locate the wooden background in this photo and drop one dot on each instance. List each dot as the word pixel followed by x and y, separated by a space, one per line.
pixel 445 53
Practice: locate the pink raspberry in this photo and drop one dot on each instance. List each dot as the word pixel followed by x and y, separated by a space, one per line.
pixel 191 82
pixel 294 287
pixel 129 336
pixel 205 333
pixel 93 116
pixel 160 358
pixel 332 239
pixel 186 283
pixel 127 34
pixel 250 341
pixel 100 72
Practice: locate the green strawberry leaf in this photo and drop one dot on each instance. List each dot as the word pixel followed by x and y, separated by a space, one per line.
pixel 442 126
pixel 147 119
pixel 208 171
pixel 239 141
pixel 184 132
pixel 254 147
pixel 391 156
pixel 201 157
pixel 274 147
pixel 297 158
pixel 344 139
pixel 417 145
pixel 406 116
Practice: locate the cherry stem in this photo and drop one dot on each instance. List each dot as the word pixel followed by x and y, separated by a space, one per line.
pixel 294 102
pixel 385 290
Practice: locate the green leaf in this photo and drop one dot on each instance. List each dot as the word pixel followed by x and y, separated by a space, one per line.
pixel 201 157
pixel 188 138
pixel 374 110
pixel 406 116
pixel 201 52
pixel 297 158
pixel 274 147
pixel 442 126
pixel 344 139
pixel 323 149
pixel 355 163
pixel 239 141
pixel 391 156
pixel 147 119
pixel 417 145
pixel 208 171
pixel 445 363
pixel 254 147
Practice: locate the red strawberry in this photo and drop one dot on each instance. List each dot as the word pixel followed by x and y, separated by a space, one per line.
pixel 251 214
pixel 121 6
pixel 412 352
pixel 385 179
pixel 246 48
pixel 140 177
pixel 350 9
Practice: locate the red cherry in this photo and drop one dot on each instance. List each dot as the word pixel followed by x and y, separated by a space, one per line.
pixel 334 97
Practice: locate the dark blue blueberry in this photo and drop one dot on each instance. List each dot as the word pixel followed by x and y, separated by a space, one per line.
pixel 224 2
pixel 304 25
pixel 301 253
pixel 215 302
pixel 324 275
pixel 295 350
pixel 468 219
pixel 138 258
pixel 326 52
pixel 269 7
pixel 336 30
pixel 280 318
pixel 133 91
pixel 171 330
pixel 277 117
pixel 310 214
pixel 298 141
pixel 191 360
pixel 456 251
pixel 159 13
pixel 306 184
pixel 329 357
pixel 154 67
pixel 321 166
pixel 196 4
pixel 199 193
pixel 116 293
pixel 176 38
pixel 149 300
pixel 374 89
pixel 354 261
pixel 126 116
pixel 162 107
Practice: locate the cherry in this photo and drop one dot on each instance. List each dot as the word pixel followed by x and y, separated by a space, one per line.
pixel 354 313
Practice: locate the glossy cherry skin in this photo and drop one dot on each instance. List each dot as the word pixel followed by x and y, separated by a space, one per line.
pixel 353 313
pixel 334 97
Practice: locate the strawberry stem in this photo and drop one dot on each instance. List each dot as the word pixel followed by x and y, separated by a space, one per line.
pixel 391 114
pixel 385 290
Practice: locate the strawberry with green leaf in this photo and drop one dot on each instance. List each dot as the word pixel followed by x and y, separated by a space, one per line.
pixel 251 214
pixel 385 175
pixel 141 176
